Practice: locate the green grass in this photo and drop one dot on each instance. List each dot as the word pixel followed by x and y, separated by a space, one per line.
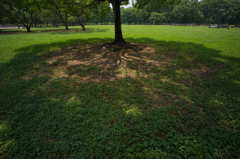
pixel 183 103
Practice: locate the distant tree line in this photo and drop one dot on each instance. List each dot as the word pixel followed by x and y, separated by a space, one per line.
pixel 37 13
pixel 51 12
pixel 188 11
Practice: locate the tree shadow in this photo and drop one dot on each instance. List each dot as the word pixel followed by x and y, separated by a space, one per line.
pixel 73 99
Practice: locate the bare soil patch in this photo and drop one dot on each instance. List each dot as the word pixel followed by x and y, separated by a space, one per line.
pixel 98 63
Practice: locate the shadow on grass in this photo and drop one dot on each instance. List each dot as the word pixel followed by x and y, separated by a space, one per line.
pixel 74 99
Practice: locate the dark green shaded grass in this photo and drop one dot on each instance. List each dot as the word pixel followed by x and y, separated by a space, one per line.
pixel 186 107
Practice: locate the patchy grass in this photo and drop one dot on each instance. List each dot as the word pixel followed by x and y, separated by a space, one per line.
pixel 62 95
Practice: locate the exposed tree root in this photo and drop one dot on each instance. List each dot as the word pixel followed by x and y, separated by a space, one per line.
pixel 112 61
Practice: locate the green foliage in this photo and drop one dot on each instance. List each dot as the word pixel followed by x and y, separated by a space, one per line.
pixel 98 12
pixel 231 12
pixel 24 11
pixel 133 15
pixel 186 12
pixel 158 17
pixel 155 4
pixel 29 6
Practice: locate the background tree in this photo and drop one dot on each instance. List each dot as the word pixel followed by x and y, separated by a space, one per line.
pixel 48 17
pixel 231 12
pixel 186 12
pixel 128 15
pixel 25 10
pixel 61 8
pixel 7 16
pixel 80 9
pixel 132 15
pixel 4 12
pixel 109 17
pixel 155 16
pixel 212 10
pixel 99 12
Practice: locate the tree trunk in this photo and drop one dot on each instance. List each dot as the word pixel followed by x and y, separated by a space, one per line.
pixel 28 29
pixel 66 26
pixel 117 19
pixel 81 23
pixel 66 23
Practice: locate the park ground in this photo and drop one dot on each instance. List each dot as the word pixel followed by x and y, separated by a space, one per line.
pixel 176 94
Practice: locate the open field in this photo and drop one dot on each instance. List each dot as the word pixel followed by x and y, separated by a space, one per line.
pixel 62 95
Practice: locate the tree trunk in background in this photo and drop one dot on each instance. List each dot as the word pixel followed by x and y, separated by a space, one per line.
pixel 81 22
pixel 66 25
pixel 117 19
pixel 83 25
pixel 28 28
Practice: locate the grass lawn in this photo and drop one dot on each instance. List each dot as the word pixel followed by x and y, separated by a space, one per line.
pixel 64 96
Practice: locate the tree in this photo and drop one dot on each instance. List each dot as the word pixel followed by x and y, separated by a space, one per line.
pixel 231 12
pixel 157 17
pixel 47 17
pixel 4 12
pixel 98 12
pixel 186 12
pixel 78 10
pixel 109 17
pixel 117 21
pixel 7 16
pixel 128 15
pixel 25 10
pixel 132 15
pixel 212 10
pixel 61 8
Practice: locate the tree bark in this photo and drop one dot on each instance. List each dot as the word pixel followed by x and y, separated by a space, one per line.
pixel 66 26
pixel 81 20
pixel 66 23
pixel 81 23
pixel 18 25
pixel 28 29
pixel 117 19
